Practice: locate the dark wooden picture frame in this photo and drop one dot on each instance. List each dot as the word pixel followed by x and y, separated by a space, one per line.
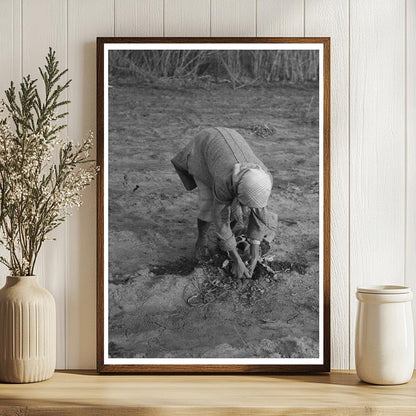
pixel 104 367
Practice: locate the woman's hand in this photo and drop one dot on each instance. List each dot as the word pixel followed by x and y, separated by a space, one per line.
pixel 238 268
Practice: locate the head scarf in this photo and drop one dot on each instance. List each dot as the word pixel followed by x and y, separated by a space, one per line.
pixel 253 185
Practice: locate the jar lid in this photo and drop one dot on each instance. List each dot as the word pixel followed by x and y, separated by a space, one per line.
pixel 384 289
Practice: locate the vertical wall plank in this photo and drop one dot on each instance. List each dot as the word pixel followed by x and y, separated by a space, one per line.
pixel 411 149
pixel 331 18
pixel 87 20
pixel 6 46
pixel 377 140
pixel 10 44
pixel 187 18
pixel 280 18
pixel 138 17
pixel 10 66
pixel 233 18
pixel 44 24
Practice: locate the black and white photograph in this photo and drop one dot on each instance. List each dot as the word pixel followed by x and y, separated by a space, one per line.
pixel 213 196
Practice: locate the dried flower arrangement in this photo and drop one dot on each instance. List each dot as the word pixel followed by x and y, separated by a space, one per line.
pixel 42 176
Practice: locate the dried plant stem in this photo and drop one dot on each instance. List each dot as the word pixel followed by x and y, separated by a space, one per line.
pixel 36 194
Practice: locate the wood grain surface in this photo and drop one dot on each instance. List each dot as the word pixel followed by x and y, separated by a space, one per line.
pixel 82 393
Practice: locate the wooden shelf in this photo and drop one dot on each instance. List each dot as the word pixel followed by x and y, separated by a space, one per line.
pixel 86 393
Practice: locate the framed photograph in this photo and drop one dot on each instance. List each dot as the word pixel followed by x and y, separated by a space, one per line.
pixel 213 205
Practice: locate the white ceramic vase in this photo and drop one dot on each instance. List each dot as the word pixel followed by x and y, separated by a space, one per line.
pixel 384 338
pixel 27 331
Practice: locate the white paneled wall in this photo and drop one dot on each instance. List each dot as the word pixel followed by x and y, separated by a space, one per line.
pixel 377 145
pixel 86 21
pixel 373 129
pixel 410 139
pixel 331 18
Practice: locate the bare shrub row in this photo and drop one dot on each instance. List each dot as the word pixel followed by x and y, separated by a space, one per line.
pixel 235 66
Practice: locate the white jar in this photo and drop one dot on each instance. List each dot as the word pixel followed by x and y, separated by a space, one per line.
pixel 384 338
